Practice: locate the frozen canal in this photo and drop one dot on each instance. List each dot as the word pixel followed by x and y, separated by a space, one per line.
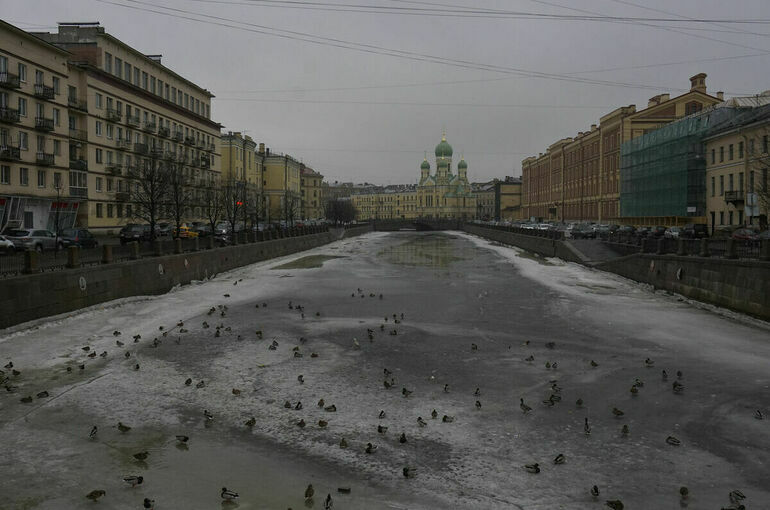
pixel 454 291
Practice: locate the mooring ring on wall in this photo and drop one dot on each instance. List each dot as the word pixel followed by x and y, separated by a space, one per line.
pixel 186 264
pixel 160 269
pixel 679 273
pixel 82 283
pixel 652 266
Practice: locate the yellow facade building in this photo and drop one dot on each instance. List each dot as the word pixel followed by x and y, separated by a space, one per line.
pixel 388 203
pixel 281 184
pixel 311 190
pixel 508 199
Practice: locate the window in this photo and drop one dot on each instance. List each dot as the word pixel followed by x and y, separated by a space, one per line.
pixel 186 101
pixel 109 157
pixel 39 77
pixel 109 210
pixel 127 71
pixel 22 72
pixel 730 183
pixel 160 87
pixel 56 117
pixel 57 180
pixel 208 115
pixel 40 143
pixel 99 212
pixel 179 97
pixel 41 178
pixel 5 174
pixel 166 95
pixel 98 100
pixel 3 64
pixel 173 96
pixel 731 218
pixel 24 176
pixel 109 131
pixel 136 76
pixel 57 147
pixel 119 107
pixel 56 85
pixel 751 181
pixel 109 103
pixel 22 107
pixel 98 185
pixel 721 185
pixel 120 210
pixel 721 154
pixel 23 141
pixel 118 67
pixel 108 62
pixel 152 89
pixel 765 141
pixel 98 155
pixel 713 156
pixel 751 146
pixel 198 106
pixel 144 80
pixel 740 150
pixel 98 128
pixel 109 184
pixel 730 152
pixel 128 211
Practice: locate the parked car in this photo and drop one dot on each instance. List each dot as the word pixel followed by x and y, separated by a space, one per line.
pixel 695 230
pixel 31 239
pixel 77 237
pixel 6 245
pixel 134 232
pixel 744 234
pixel 627 229
pixel 164 229
pixel 203 229
pixel 584 231
pixel 764 236
pixel 672 233
pixel 658 231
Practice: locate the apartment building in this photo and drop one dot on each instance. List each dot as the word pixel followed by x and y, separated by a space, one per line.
pixel 37 187
pixel 485 199
pixel 578 178
pixel 508 199
pixel 391 202
pixel 737 162
pixel 281 187
pixel 126 110
pixel 311 190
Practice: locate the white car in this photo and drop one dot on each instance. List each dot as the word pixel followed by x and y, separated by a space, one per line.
pixel 6 246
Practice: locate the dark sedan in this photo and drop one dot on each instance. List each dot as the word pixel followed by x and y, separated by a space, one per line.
pixel 78 237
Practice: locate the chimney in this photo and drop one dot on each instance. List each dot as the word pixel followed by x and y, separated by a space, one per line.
pixel 653 101
pixel 593 127
pixel 664 98
pixel 155 58
pixel 267 151
pixel 698 83
pixel 261 148
pixel 721 95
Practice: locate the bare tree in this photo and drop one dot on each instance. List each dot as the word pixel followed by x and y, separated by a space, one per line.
pixel 340 211
pixel 232 202
pixel 178 193
pixel 147 185
pixel 292 205
pixel 212 203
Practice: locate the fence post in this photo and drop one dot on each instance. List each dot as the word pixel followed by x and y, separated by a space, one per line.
pixel 661 248
pixel 680 247
pixel 178 245
pixel 196 244
pixel 30 262
pixel 642 245
pixel 704 248
pixel 764 250
pixel 158 247
pixel 73 256
pixel 134 250
pixel 106 254
pixel 730 252
pixel 210 244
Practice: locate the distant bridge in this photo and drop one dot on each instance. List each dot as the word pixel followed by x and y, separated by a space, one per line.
pixel 416 224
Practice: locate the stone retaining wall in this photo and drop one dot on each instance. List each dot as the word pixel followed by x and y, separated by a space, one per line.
pixel 535 244
pixel 28 297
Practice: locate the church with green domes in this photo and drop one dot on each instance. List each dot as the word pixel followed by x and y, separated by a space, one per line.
pixel 444 194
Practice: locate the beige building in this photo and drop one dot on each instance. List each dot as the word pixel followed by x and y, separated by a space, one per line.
pixel 242 169
pixel 578 178
pixel 508 199
pixel 125 110
pixel 389 203
pixel 485 200
pixel 737 161
pixel 281 185
pixel 311 190
pixel 36 183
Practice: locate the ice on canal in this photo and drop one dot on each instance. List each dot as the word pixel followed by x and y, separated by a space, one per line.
pixel 454 291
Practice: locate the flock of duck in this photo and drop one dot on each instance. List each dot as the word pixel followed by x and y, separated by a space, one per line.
pixel 11 374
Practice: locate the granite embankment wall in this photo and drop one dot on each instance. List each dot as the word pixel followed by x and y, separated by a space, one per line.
pixel 535 244
pixel 32 296
pixel 740 285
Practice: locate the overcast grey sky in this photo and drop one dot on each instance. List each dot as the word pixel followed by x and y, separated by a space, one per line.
pixel 365 116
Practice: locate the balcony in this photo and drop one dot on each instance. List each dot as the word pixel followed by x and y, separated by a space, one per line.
pixel 178 136
pixel 123 144
pixel 114 168
pixel 113 115
pixel 734 197
pixel 141 148
pixel 122 196
pixel 157 152
pixel 169 155
pixel 78 192
pixel 194 162
pixel 133 121
pixel 9 81
pixel 189 140
pixel 77 104
pixel 44 91
pixel 10 153
pixel 44 159
pixel 43 124
pixel 150 127
pixel 201 145
pixel 164 132
pixel 132 170
pixel 79 134
pixel 211 148
pixel 79 164
pixel 205 163
pixel 9 115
